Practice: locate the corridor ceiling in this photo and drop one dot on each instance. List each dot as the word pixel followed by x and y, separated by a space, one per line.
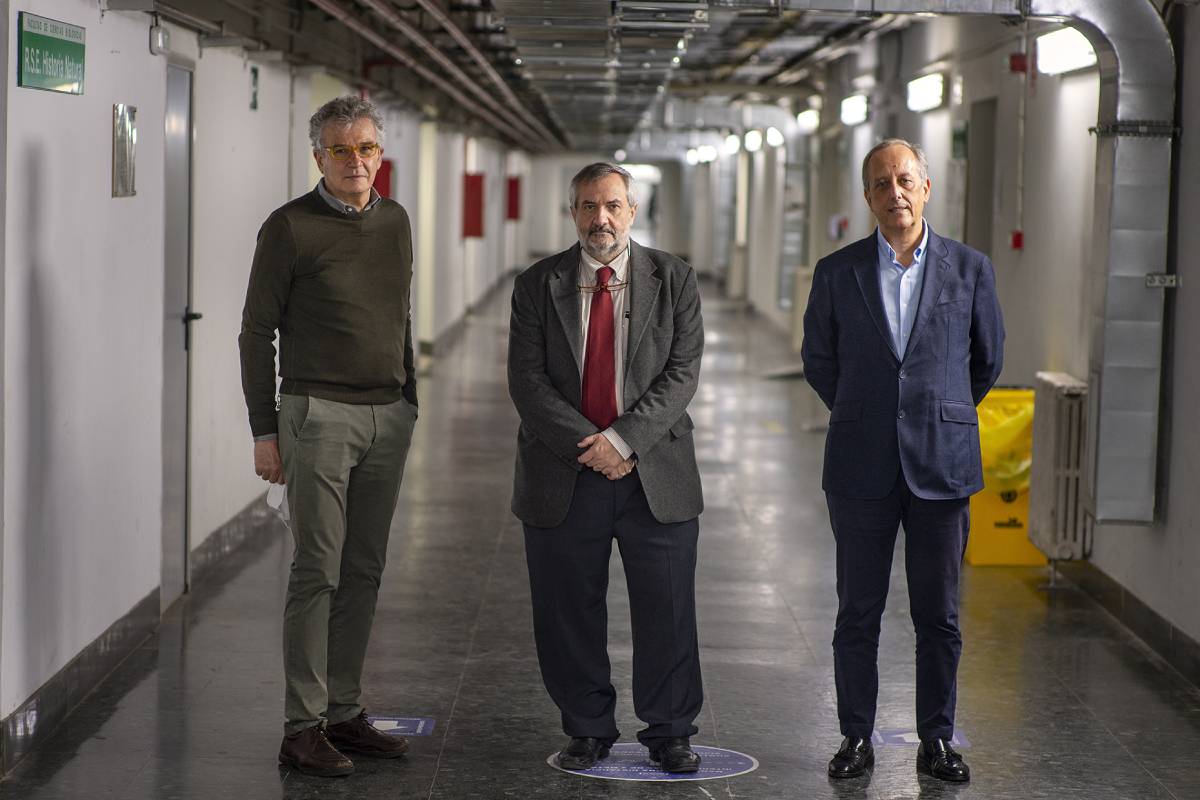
pixel 543 74
pixel 599 67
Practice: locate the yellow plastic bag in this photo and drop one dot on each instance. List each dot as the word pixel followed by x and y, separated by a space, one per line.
pixel 1000 513
pixel 1006 440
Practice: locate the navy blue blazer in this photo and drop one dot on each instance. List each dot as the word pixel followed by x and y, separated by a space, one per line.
pixel 911 413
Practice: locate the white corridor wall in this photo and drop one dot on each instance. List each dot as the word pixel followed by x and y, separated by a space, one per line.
pixel 83 339
pixel 240 176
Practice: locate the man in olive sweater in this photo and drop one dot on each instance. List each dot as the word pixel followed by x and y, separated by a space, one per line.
pixel 332 273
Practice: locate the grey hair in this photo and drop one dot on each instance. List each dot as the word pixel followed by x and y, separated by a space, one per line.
pixel 915 149
pixel 602 169
pixel 340 111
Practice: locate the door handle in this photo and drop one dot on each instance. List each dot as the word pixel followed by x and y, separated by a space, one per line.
pixel 189 316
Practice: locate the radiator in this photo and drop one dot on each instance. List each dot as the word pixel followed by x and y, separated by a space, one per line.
pixel 1059 524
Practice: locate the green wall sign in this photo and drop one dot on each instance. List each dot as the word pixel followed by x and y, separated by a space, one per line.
pixel 49 54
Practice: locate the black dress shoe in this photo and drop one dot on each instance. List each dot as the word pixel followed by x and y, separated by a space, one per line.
pixel 674 754
pixel 936 758
pixel 582 753
pixel 853 758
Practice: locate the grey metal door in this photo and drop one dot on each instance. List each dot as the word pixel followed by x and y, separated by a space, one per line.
pixel 177 262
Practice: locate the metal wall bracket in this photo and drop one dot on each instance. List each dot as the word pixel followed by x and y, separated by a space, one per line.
pixel 1154 128
pixel 1162 280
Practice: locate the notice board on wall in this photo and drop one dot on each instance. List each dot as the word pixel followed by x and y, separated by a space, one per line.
pixel 473 205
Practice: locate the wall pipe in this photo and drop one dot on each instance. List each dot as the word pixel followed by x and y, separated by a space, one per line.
pixel 387 11
pixel 334 9
pixel 479 58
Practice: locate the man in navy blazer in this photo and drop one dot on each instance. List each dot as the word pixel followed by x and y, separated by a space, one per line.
pixel 902 339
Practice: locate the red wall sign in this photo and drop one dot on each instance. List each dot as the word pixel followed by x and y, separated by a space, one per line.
pixel 514 198
pixel 472 205
pixel 383 178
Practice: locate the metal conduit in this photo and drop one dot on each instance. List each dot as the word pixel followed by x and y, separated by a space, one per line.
pixel 334 9
pixel 385 10
pixel 1133 178
pixel 466 44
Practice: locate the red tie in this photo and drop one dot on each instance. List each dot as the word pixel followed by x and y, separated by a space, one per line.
pixel 599 368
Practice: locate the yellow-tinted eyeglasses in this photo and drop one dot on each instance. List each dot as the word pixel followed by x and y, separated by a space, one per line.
pixel 341 152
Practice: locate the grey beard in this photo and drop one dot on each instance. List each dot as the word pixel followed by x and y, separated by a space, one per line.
pixel 603 256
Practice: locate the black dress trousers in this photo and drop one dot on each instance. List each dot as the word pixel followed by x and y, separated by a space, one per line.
pixel 935 539
pixel 568 578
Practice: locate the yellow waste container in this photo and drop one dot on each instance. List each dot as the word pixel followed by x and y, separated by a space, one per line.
pixel 1000 513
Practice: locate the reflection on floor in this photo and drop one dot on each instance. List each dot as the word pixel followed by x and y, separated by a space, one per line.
pixel 1056 700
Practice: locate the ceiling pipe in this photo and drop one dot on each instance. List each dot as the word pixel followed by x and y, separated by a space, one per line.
pixel 335 10
pixel 387 11
pixel 1134 130
pixel 479 58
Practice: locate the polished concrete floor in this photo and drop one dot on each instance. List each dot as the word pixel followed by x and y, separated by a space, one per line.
pixel 1056 699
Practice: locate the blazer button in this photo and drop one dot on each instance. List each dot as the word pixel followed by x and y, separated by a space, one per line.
pixel 900 414
pixel 903 374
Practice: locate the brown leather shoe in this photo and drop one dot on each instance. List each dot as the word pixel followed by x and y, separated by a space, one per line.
pixel 310 752
pixel 358 735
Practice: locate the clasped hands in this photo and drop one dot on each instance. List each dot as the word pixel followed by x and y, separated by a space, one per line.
pixel 602 457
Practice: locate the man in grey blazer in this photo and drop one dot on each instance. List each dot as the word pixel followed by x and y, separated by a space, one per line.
pixel 603 358
pixel 902 339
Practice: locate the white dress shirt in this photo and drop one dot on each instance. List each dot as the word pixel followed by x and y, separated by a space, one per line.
pixel 588 267
pixel 901 288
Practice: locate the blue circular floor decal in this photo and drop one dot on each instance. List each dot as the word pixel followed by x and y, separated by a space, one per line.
pixel 630 761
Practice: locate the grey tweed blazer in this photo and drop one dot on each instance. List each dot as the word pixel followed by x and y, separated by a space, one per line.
pixel 662 368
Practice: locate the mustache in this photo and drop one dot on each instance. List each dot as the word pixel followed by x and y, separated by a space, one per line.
pixel 601 229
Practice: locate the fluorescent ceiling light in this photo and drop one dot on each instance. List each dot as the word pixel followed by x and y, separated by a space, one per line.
pixel 854 109
pixel 774 137
pixel 754 140
pixel 1064 51
pixel 707 153
pixel 809 120
pixel 733 143
pixel 927 92
pixel 644 173
pixel 693 157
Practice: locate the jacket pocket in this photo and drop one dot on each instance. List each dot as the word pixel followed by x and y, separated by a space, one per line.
pixel 954 411
pixel 845 412
pixel 682 427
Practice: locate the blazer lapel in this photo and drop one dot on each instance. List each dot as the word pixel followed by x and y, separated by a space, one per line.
pixel 936 270
pixel 564 293
pixel 643 291
pixel 866 270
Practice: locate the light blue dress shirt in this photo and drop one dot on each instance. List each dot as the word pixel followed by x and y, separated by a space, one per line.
pixel 901 288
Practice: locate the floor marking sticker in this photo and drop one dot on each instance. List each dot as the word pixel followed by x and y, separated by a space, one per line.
pixel 901 737
pixel 630 761
pixel 403 726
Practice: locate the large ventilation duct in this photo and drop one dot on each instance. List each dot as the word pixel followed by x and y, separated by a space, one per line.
pixel 1133 179
pixel 1129 242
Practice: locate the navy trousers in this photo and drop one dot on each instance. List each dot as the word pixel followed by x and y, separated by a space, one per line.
pixel 935 538
pixel 568 580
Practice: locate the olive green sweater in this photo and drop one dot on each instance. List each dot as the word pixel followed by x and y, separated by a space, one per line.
pixel 336 287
